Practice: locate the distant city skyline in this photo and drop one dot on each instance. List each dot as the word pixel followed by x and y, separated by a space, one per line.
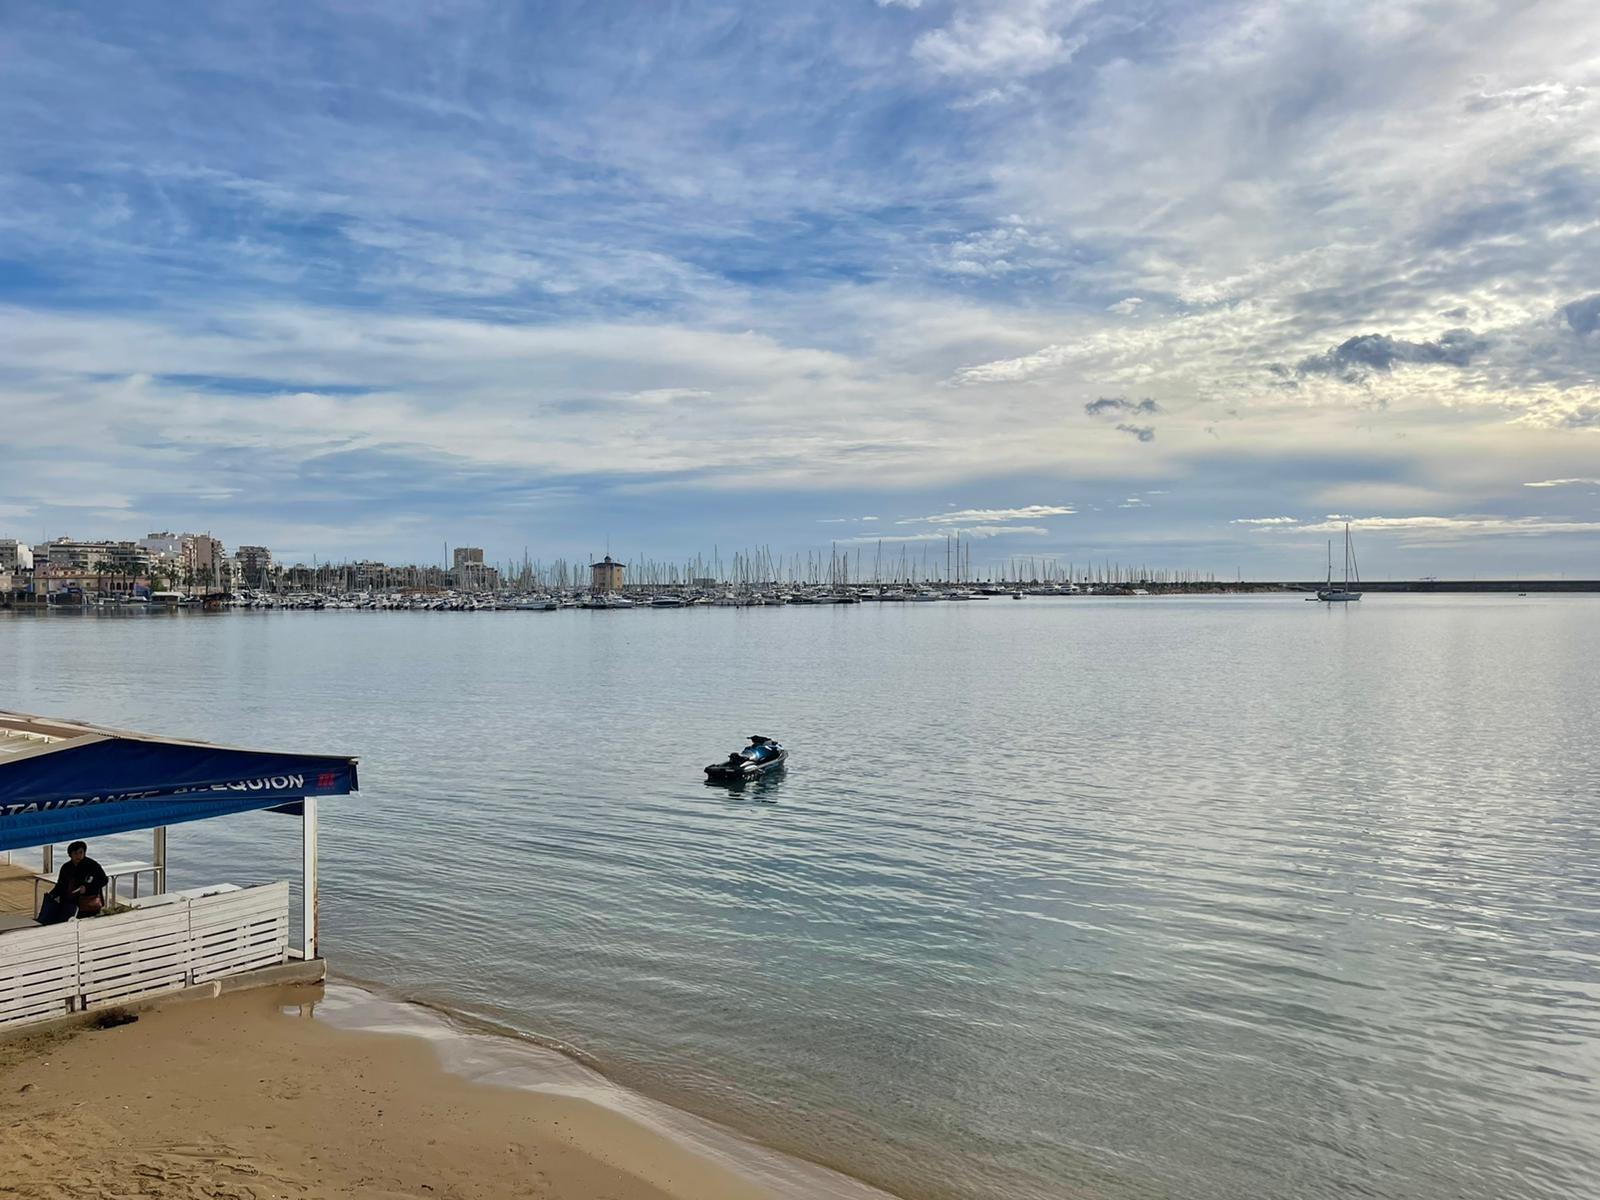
pixel 1181 284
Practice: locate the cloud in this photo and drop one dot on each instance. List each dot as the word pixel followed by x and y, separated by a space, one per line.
pixel 1007 93
pixel 1116 405
pixel 1031 512
pixel 516 279
pixel 1264 521
pixel 1572 416
pixel 1583 315
pixel 1354 359
pixel 970 531
pixel 1458 526
pixel 999 251
pixel 1017 41
pixel 1550 99
pixel 1012 370
pixel 1549 483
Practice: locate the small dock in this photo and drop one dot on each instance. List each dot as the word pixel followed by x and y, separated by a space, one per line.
pixel 16 893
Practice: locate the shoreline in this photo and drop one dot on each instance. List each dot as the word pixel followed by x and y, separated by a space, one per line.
pixel 334 1090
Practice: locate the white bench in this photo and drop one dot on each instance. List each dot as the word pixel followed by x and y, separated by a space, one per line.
pixel 113 872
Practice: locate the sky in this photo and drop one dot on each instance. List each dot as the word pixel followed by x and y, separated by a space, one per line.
pixel 1184 285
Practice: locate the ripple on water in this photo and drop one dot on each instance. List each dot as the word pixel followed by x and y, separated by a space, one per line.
pixel 1211 898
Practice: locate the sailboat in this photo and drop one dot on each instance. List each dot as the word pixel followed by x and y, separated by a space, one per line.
pixel 1338 595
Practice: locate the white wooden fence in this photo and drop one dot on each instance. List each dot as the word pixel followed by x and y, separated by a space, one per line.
pixel 56 969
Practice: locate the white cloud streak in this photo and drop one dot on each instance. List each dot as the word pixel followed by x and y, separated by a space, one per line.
pixel 970 531
pixel 1031 512
pixel 1461 526
pixel 1015 39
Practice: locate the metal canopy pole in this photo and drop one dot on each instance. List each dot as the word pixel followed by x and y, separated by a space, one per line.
pixel 158 857
pixel 308 837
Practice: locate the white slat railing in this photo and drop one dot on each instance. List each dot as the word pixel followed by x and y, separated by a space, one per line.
pixel 38 972
pixel 58 969
pixel 238 931
pixel 133 954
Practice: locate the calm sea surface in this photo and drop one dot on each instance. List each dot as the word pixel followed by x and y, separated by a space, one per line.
pixel 1121 898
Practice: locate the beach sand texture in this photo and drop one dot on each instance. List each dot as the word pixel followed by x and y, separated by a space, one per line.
pixel 237 1099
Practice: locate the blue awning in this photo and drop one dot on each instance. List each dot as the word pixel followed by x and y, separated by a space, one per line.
pixel 61 780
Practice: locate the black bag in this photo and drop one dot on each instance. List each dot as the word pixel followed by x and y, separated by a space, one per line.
pixel 55 909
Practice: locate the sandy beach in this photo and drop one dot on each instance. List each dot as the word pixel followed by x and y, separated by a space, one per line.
pixel 243 1098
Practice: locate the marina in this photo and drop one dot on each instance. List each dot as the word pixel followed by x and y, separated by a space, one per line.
pixel 453 601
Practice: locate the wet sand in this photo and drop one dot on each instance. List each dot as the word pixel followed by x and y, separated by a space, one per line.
pixel 244 1098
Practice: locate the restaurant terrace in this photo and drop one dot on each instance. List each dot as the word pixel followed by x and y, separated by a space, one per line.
pixel 62 781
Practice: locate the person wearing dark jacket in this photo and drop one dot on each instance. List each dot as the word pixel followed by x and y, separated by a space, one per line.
pixel 79 890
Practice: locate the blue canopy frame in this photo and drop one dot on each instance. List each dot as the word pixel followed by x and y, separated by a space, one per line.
pixel 65 780
pixel 90 781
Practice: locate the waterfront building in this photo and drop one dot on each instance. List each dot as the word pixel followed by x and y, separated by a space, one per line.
pixel 100 579
pixel 605 575
pixel 65 554
pixel 164 545
pixel 203 556
pixel 255 565
pixel 197 557
pixel 477 577
pixel 470 572
pixel 15 556
pixel 368 575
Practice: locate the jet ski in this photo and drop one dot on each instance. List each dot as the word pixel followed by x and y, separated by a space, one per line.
pixel 758 758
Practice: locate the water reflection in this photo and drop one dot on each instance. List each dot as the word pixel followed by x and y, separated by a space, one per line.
pixel 763 789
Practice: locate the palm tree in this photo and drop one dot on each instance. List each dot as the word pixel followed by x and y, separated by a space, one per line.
pixel 102 568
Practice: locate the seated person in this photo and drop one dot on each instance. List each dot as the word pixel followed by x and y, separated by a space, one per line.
pixel 79 889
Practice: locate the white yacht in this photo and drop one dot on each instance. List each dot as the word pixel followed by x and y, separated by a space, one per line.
pixel 1331 594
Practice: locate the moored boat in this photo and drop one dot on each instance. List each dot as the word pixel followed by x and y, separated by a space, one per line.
pixel 760 757
pixel 1334 593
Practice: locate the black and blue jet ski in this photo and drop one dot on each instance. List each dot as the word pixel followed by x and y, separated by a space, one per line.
pixel 761 756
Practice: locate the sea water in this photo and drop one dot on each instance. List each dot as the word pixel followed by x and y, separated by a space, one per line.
pixel 1124 898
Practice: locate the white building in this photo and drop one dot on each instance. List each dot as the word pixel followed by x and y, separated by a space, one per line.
pixel 15 555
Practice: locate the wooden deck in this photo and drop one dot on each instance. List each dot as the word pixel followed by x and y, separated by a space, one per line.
pixel 16 889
